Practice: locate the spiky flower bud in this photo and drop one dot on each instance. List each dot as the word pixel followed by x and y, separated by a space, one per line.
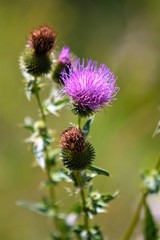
pixel 77 152
pixel 35 65
pixel 36 60
pixel 42 40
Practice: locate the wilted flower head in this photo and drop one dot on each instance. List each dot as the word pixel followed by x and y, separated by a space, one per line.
pixel 77 152
pixel 89 87
pixel 42 40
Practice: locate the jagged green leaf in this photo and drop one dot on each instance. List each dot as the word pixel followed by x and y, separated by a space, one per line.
pixel 38 149
pixel 30 86
pixel 67 224
pixel 93 233
pixel 98 170
pixel 39 208
pixel 54 108
pixel 157 130
pixel 150 227
pixel 60 176
pixel 97 202
pixel 87 126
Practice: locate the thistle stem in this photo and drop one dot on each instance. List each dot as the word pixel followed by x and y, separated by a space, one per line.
pixel 135 219
pixel 157 163
pixel 47 165
pixel 79 122
pixel 40 105
pixel 141 203
pixel 83 198
pixel 47 168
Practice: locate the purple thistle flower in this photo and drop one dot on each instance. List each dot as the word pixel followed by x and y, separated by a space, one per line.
pixel 64 56
pixel 89 87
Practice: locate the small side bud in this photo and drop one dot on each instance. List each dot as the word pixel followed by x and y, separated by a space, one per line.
pixel 77 153
pixel 64 62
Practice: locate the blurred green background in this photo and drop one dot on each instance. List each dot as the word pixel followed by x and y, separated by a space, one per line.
pixel 123 34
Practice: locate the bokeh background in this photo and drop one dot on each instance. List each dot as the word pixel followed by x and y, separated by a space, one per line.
pixel 123 34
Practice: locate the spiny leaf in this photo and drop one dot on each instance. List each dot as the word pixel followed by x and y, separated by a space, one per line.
pixel 39 208
pixel 150 228
pixel 30 88
pixel 93 233
pixel 99 171
pixel 29 124
pixel 54 108
pixel 157 130
pixel 87 126
pixel 60 176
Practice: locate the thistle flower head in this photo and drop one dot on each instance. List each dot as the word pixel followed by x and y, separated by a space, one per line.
pixel 89 87
pixel 77 153
pixel 42 40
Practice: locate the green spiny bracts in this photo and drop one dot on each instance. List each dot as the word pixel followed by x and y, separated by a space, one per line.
pixel 77 152
pixel 56 75
pixel 80 111
pixel 35 65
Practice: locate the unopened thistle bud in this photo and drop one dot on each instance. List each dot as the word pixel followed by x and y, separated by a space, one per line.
pixel 36 59
pixel 77 153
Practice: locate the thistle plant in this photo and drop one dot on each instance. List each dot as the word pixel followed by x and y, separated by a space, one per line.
pixel 89 88
pixel 85 88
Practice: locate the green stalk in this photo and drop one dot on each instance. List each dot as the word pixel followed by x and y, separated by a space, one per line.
pixel 40 105
pixel 47 165
pixel 141 203
pixel 83 198
pixel 79 122
pixel 135 218
pixel 157 163
pixel 82 192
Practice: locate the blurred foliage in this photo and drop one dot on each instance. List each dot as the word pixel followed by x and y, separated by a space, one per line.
pixel 123 34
